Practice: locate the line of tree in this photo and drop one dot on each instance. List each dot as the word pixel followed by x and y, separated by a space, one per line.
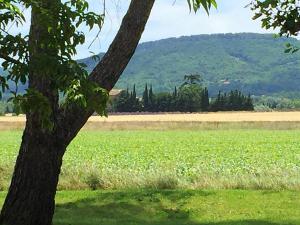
pixel 189 97
pixel 232 101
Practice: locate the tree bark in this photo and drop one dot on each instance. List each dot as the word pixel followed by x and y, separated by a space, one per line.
pixel 30 199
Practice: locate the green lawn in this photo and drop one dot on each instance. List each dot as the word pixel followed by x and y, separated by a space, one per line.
pixel 177 207
pixel 236 159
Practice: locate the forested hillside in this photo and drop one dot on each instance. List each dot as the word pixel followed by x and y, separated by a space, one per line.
pixel 252 63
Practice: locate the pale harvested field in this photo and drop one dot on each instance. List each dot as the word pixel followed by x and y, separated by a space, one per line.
pixel 274 120
pixel 205 117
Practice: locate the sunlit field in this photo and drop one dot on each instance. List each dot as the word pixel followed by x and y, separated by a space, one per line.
pixel 225 159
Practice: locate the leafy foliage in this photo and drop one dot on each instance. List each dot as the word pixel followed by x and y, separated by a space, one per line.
pixel 232 101
pixel 190 97
pixel 192 79
pixel 128 102
pixel 206 4
pixel 87 95
pixel 282 14
pixel 270 103
pixel 34 101
pixel 57 46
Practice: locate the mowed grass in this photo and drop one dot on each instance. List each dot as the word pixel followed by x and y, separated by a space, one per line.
pixel 227 159
pixel 176 207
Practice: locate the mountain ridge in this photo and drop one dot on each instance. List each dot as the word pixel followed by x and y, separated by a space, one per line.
pixel 254 63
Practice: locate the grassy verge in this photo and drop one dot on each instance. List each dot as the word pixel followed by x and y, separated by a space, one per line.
pixel 170 125
pixel 228 159
pixel 177 207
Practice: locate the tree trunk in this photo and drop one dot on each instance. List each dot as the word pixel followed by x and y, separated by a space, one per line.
pixel 30 200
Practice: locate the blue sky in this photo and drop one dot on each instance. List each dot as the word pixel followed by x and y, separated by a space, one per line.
pixel 169 18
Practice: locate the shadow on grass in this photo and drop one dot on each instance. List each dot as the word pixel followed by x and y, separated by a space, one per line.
pixel 243 222
pixel 137 208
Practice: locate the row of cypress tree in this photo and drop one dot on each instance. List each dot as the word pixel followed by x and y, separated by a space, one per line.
pixel 189 97
pixel 232 101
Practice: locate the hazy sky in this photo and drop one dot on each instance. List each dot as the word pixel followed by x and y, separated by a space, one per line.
pixel 170 18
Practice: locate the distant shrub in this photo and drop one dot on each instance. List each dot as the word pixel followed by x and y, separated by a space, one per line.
pixel 164 182
pixel 94 181
pixel 2 109
pixel 262 108
pixel 262 103
pixel 6 107
pixel 167 183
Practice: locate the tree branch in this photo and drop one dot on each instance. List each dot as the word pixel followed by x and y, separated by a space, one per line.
pixel 112 65
pixel 9 59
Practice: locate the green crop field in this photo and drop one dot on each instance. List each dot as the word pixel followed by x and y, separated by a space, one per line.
pixel 237 159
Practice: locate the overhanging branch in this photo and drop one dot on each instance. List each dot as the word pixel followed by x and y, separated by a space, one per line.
pixel 9 59
pixel 110 68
